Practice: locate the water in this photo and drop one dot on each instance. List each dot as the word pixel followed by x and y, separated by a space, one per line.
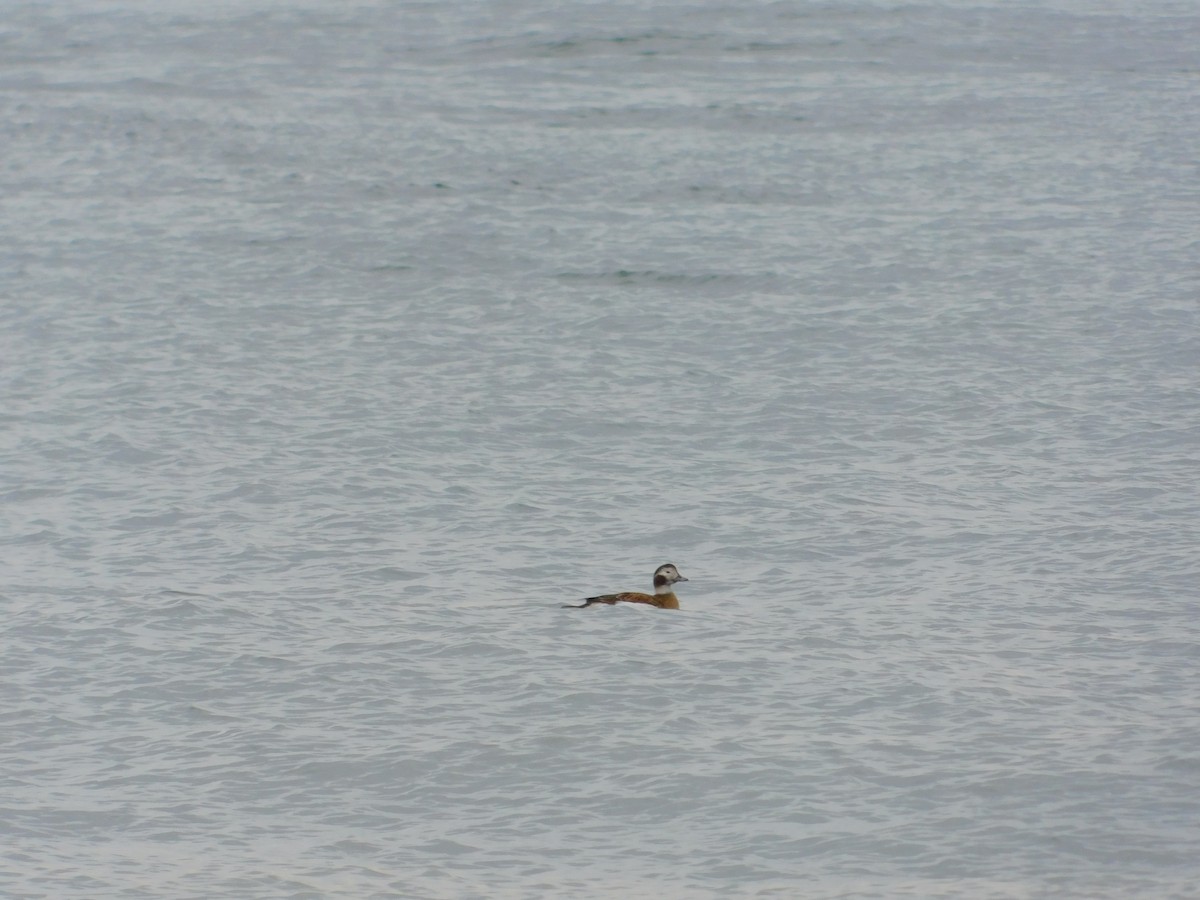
pixel 342 344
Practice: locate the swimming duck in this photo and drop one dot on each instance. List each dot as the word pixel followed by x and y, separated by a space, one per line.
pixel 663 596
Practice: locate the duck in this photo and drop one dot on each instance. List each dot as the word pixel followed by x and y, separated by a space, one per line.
pixel 665 577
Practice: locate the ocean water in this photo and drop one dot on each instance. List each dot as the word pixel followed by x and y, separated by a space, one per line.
pixel 342 343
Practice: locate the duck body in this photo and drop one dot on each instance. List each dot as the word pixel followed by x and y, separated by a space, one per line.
pixel 666 577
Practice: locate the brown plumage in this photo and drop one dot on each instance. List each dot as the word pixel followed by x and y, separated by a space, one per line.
pixel 663 597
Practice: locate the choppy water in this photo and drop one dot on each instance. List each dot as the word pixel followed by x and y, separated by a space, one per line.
pixel 342 343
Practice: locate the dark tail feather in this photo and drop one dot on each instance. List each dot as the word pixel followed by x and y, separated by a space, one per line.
pixel 607 598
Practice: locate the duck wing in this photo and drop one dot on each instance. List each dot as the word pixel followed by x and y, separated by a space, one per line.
pixel 610 599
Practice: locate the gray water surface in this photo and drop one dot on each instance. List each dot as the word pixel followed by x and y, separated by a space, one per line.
pixel 341 344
